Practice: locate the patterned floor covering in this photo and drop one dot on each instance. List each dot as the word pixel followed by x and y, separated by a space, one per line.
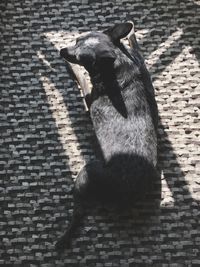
pixel 46 136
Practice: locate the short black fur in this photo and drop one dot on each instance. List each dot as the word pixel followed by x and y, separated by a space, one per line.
pixel 124 115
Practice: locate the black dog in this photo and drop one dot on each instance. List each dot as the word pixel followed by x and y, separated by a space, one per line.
pixel 124 115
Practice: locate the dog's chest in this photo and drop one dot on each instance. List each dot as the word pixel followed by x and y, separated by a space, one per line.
pixel 101 110
pixel 118 106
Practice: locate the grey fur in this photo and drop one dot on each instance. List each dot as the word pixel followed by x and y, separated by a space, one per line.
pixel 124 115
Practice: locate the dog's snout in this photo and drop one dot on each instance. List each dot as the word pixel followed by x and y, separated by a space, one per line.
pixel 63 52
pixel 68 54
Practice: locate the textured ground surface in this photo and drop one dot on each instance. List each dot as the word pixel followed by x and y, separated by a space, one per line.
pixel 46 136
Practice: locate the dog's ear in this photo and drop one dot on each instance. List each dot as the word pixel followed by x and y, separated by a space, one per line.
pixel 119 31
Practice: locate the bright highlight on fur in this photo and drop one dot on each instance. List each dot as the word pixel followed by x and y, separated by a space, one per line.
pixel 92 42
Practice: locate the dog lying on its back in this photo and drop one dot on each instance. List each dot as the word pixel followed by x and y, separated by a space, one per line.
pixel 124 115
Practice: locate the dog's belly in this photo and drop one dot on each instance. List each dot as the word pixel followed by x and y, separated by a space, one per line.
pixel 117 135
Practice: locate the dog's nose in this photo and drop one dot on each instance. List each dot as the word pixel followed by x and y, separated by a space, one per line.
pixel 63 52
pixel 68 54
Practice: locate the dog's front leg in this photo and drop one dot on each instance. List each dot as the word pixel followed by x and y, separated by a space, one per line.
pixel 78 74
pixel 132 38
pixel 145 76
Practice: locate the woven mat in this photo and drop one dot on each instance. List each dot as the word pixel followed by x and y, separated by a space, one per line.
pixel 46 136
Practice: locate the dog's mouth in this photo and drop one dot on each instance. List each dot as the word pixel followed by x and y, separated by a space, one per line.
pixel 65 53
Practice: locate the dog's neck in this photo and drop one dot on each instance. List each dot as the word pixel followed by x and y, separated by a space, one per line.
pixel 105 82
pixel 103 78
pixel 107 76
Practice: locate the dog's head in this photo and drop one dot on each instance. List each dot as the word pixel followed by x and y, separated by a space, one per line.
pixel 96 48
